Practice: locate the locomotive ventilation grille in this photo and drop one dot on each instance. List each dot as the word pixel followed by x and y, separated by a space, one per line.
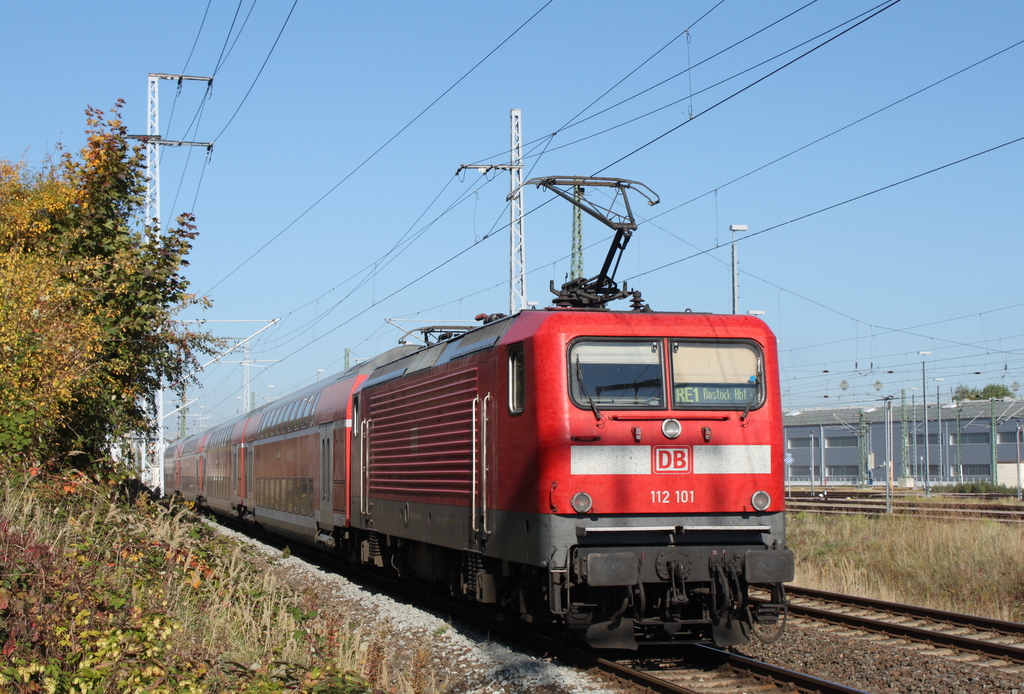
pixel 422 438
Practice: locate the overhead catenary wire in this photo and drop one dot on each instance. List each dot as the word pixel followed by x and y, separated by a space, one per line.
pixel 545 140
pixel 226 50
pixel 258 73
pixel 379 149
pixel 577 120
pixel 647 144
pixel 694 255
pixel 839 204
pixel 838 130
pixel 407 231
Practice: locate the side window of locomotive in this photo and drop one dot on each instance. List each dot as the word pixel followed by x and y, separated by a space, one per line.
pixel 516 379
pixel 716 375
pixel 617 374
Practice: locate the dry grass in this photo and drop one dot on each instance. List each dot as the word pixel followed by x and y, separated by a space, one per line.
pixel 101 594
pixel 968 566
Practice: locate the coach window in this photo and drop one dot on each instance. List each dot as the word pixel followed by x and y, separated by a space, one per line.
pixel 516 379
pixel 617 374
pixel 716 375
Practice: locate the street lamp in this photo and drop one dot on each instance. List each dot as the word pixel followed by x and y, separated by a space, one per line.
pixel 1019 425
pixel 938 425
pixel 810 436
pixel 924 402
pixel 890 453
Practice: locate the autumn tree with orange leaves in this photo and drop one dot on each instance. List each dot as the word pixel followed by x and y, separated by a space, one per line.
pixel 87 299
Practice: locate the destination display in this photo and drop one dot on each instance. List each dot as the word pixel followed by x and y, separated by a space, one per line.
pixel 712 394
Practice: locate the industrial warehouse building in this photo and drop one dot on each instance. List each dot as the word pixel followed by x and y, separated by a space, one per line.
pixel 959 441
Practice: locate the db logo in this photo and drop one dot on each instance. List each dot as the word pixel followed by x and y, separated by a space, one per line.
pixel 672 459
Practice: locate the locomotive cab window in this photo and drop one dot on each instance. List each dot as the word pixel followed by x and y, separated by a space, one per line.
pixel 716 375
pixel 622 374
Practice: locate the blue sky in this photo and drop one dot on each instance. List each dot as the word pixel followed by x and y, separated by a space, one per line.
pixel 883 209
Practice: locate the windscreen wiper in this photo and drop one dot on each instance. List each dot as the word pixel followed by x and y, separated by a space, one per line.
pixel 583 389
pixel 753 395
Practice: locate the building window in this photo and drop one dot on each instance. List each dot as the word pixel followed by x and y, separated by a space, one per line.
pixel 933 439
pixel 1008 436
pixel 974 437
pixel 800 443
pixel 841 442
pixel 842 470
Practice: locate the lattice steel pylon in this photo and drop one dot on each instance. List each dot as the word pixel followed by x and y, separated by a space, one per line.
pixel 152 210
pixel 517 242
pixel 576 267
pixel 152 455
pixel 153 141
pixel 517 245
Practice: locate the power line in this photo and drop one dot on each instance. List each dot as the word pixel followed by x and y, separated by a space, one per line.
pixel 225 51
pixel 685 32
pixel 572 122
pixel 260 72
pixel 199 33
pixel 749 86
pixel 703 252
pixel 838 130
pixel 378 150
pixel 393 137
pixel 835 205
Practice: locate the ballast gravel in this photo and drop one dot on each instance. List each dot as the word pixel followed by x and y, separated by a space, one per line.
pixel 885 665
pixel 465 661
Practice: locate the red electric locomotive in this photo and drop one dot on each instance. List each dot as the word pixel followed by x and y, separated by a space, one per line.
pixel 618 473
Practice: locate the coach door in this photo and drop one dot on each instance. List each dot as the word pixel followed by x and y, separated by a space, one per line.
pixel 235 492
pixel 249 472
pixel 326 477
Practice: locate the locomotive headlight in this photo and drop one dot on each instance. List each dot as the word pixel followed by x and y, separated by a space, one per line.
pixel 582 502
pixel 761 500
pixel 671 428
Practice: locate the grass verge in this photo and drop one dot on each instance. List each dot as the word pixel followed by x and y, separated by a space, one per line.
pixel 102 592
pixel 970 566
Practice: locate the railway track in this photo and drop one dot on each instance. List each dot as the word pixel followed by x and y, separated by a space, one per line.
pixel 837 505
pixel 667 669
pixel 670 669
pixel 968 638
pixel 695 670
pixel 707 670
